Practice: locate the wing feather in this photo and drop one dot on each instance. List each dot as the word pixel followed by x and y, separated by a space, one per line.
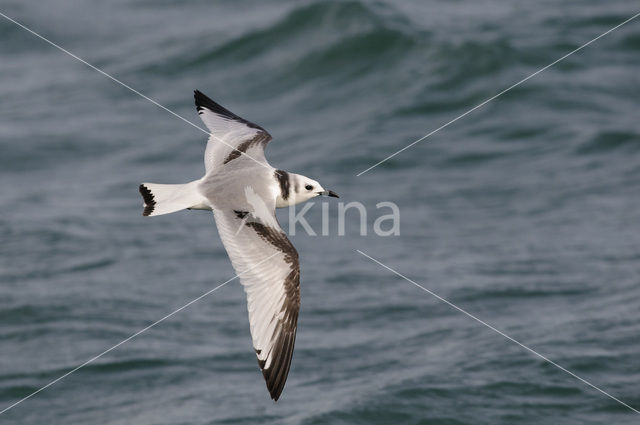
pixel 272 288
pixel 231 135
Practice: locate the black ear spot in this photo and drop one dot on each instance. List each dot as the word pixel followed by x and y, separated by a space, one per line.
pixel 308 187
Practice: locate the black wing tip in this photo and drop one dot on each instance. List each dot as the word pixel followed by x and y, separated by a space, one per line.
pixel 149 200
pixel 200 98
pixel 275 388
pixel 205 102
pixel 276 375
pixel 275 391
pixel 202 101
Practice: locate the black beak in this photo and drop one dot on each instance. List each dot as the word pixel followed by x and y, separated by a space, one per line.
pixel 329 193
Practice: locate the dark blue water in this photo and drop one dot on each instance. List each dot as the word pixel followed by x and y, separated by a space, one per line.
pixel 524 213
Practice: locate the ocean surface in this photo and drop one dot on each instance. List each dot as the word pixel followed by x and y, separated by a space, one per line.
pixel 524 213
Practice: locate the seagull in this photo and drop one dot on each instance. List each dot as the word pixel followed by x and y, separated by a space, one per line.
pixel 243 191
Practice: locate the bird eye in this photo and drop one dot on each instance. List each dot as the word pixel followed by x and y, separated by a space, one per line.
pixel 308 187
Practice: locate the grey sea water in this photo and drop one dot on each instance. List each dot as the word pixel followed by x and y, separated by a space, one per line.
pixel 524 213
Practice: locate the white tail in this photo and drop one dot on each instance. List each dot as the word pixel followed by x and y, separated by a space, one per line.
pixel 167 198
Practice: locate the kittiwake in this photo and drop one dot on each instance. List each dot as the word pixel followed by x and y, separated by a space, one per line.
pixel 243 190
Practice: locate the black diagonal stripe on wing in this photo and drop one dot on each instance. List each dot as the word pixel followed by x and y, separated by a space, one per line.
pixel 278 239
pixel 261 138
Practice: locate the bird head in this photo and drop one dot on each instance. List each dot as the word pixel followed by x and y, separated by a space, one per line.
pixel 301 189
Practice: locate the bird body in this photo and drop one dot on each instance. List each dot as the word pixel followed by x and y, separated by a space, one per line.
pixel 243 190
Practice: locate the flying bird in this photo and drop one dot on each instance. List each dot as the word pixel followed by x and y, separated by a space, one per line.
pixel 243 191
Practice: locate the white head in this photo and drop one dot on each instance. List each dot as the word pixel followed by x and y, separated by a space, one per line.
pixel 295 188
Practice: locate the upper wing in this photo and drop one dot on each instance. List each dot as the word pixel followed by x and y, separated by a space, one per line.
pixel 268 266
pixel 231 136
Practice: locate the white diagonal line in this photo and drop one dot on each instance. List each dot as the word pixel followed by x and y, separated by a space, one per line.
pixel 499 94
pixel 499 332
pixel 132 336
pixel 127 87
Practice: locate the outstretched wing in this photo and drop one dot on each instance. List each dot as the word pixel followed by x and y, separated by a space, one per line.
pixel 268 266
pixel 231 136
